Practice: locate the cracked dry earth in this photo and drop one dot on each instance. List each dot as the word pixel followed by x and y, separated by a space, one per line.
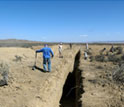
pixel 94 86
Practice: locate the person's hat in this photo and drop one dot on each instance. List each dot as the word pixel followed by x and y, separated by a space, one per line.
pixel 45 45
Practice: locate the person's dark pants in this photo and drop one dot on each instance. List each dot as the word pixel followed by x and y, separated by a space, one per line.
pixel 45 62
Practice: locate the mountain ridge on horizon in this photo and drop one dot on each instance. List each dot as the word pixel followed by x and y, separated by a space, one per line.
pixel 34 41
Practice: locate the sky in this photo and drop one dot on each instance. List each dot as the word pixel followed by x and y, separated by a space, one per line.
pixel 62 20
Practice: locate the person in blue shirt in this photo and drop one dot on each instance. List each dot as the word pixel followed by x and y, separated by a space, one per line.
pixel 47 53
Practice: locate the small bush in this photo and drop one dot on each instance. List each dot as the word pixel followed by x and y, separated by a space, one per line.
pixel 99 67
pixel 115 58
pixel 4 70
pixel 112 58
pixel 17 58
pixel 92 58
pixel 100 58
pixel 122 57
pixel 119 50
pixel 118 74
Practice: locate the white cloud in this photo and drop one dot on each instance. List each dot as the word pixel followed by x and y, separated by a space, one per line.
pixel 83 35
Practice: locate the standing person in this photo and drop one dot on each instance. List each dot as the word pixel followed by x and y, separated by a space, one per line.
pixel 60 50
pixel 112 49
pixel 47 52
pixel 87 46
pixel 85 55
pixel 70 46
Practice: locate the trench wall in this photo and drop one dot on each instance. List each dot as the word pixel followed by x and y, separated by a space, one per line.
pixel 79 80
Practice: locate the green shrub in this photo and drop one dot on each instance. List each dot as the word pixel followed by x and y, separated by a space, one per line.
pixel 4 70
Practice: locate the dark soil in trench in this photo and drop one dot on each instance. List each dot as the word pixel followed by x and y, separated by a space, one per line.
pixel 68 97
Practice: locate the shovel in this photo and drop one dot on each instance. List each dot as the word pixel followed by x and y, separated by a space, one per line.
pixel 33 68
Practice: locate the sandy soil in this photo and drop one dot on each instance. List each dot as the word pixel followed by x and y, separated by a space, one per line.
pixel 99 88
pixel 28 88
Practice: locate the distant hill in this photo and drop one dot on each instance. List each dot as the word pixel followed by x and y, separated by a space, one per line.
pixel 23 43
pixel 19 43
pixel 28 43
pixel 109 42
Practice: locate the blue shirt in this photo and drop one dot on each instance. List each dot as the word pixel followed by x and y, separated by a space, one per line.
pixel 46 52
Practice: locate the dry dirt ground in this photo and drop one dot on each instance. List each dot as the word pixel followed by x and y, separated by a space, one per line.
pixel 28 88
pixel 99 88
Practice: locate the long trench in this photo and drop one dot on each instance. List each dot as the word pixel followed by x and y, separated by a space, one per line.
pixel 73 88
